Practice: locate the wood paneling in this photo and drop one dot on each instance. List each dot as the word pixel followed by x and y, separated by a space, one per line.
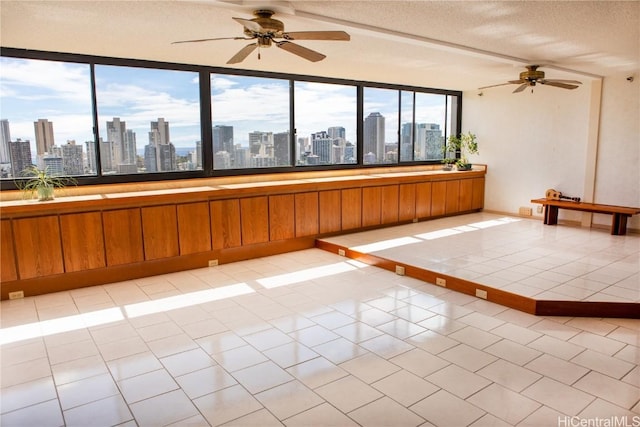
pixel 306 207
pixel 282 217
pixel 330 211
pixel 254 220
pixel 389 204
pixel 225 224
pixel 438 198
pixel 466 195
pixel 160 232
pixel 38 246
pixel 407 202
pixel 123 236
pixel 8 270
pixel 423 199
pixel 477 200
pixel 194 227
pixel 453 193
pixel 351 207
pixel 82 241
pixel 371 206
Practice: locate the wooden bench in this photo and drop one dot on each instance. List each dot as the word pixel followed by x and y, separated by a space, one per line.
pixel 618 223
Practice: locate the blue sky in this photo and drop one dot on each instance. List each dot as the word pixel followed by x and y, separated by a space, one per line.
pixel 60 92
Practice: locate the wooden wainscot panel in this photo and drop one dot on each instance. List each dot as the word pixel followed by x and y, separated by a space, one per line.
pixel 371 206
pixel 82 241
pixel 351 207
pixel 477 200
pixel 389 204
pixel 194 227
pixel 254 217
pixel 306 214
pixel 466 195
pixel 438 198
pixel 282 223
pixel 330 211
pixel 225 223
pixel 123 236
pixel 38 246
pixel 8 270
pixel 452 204
pixel 423 199
pixel 160 232
pixel 407 202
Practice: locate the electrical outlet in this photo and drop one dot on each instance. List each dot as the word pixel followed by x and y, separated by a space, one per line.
pixel 481 294
pixel 213 262
pixel 441 282
pixel 524 211
pixel 539 209
pixel 16 295
pixel 399 270
pixel 341 252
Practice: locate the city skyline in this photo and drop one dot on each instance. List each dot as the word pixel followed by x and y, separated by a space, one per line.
pixel 53 98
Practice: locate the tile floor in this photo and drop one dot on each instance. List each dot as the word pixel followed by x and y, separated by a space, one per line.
pixel 313 339
pixel 519 255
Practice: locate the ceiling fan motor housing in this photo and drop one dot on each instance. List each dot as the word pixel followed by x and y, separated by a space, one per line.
pixel 532 74
pixel 271 26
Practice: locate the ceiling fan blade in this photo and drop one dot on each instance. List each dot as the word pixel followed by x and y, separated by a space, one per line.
pixel 249 24
pixel 574 82
pixel 242 53
pixel 521 88
pixel 207 40
pixel 296 49
pixel 502 84
pixel 557 84
pixel 317 35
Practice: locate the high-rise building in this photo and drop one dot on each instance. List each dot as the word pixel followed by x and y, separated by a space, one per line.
pixel 53 165
pixel 72 158
pixel 198 154
pixel 5 139
pixel 165 151
pixel 406 141
pixel 241 156
pixel 44 136
pixel 168 159
pixel 91 156
pixel 113 155
pixel 428 141
pixel 150 158
pixel 20 152
pixel 259 141
pixel 337 132
pixel 322 146
pixel 373 138
pixel 221 160
pixel 223 139
pixel 281 148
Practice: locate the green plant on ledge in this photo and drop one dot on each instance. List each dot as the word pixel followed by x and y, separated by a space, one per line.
pixel 42 182
pixel 467 144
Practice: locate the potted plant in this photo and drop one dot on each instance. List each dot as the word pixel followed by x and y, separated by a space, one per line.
pixel 448 156
pixel 42 182
pixel 467 144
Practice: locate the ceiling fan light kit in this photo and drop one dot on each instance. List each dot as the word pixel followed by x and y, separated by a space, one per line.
pixel 265 30
pixel 532 76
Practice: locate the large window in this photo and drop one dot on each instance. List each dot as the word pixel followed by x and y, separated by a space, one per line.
pixel 109 120
pixel 46 117
pixel 250 117
pixel 326 124
pixel 149 120
pixel 380 126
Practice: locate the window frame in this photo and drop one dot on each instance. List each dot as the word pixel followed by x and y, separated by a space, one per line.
pixel 206 122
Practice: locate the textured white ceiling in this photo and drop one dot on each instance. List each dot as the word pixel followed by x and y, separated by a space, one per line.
pixel 450 44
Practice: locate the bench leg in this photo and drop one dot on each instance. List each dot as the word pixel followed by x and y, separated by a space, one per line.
pixel 550 215
pixel 619 224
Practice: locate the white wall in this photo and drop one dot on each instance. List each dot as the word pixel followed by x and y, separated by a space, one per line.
pixel 530 142
pixel 618 168
pixel 535 141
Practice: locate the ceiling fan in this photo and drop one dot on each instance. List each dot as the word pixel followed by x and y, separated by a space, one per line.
pixel 265 30
pixel 533 76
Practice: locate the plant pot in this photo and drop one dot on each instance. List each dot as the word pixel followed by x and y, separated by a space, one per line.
pixel 45 193
pixel 447 167
pixel 464 167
